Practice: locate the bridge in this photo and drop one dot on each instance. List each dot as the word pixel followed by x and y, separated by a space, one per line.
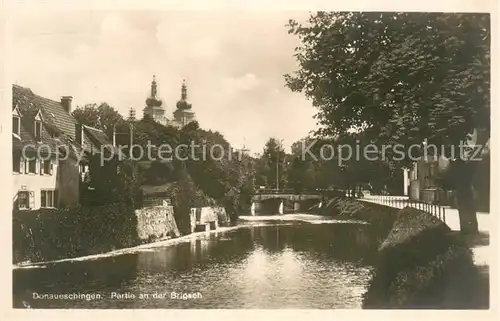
pixel 272 201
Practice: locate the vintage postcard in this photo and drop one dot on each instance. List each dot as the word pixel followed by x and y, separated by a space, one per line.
pixel 309 159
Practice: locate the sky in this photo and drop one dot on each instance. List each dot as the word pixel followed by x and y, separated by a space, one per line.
pixel 233 63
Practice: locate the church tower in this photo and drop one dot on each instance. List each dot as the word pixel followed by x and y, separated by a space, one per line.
pixel 183 115
pixel 154 105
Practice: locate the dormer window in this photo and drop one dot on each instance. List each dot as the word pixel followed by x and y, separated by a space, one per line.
pixel 16 125
pixel 38 130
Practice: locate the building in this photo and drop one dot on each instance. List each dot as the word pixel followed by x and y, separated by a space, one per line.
pixel 50 151
pixel 183 114
pixel 423 180
pixel 154 108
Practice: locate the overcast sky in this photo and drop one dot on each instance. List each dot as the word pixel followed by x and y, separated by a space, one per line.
pixel 233 64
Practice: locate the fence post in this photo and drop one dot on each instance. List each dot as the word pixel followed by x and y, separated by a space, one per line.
pixel 444 215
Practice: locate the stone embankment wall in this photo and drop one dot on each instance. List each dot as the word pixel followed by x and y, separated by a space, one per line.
pixel 420 262
pixel 380 217
pixel 156 222
pixel 207 215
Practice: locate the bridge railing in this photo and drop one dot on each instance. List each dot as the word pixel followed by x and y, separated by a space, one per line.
pixel 291 191
pixel 274 191
pixel 402 201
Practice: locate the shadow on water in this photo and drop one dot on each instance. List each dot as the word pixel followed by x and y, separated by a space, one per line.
pixel 302 266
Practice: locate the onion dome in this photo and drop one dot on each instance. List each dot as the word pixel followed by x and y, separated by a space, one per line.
pixel 184 104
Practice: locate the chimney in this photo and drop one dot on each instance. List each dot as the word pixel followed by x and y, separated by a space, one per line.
pixel 66 103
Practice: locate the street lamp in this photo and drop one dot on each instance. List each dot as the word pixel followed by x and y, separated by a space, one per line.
pixel 277 164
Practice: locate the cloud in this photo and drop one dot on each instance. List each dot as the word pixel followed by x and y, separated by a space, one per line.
pixel 244 83
pixel 233 63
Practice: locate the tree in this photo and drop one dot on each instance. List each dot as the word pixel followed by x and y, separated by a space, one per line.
pixel 274 164
pixel 101 116
pixel 400 78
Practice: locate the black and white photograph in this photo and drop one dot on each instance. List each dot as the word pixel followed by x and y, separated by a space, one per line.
pixel 245 159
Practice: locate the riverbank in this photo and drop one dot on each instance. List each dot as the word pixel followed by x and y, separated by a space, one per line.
pixel 252 221
pixel 422 263
pixel 262 266
pixel 478 243
pixel 164 242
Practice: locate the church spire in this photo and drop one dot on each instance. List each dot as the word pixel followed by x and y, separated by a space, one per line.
pixel 153 87
pixel 184 90
pixel 153 100
pixel 183 103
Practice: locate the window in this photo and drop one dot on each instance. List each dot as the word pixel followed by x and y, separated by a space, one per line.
pixel 431 169
pixel 23 200
pixel 32 166
pixel 16 125
pixel 48 198
pixel 46 167
pixel 16 163
pixel 38 130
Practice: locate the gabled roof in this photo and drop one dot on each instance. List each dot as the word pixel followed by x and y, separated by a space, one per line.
pixel 26 139
pixel 57 122
pixel 56 119
pixel 33 107
pixel 100 140
pixel 54 114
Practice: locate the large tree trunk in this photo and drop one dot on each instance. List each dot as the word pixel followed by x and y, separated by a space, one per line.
pixel 465 197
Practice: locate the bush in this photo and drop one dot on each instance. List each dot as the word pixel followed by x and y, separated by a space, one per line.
pixel 44 235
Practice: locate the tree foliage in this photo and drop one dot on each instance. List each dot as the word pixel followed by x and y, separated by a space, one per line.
pixel 398 78
pixel 101 116
pixel 402 77
pixel 273 166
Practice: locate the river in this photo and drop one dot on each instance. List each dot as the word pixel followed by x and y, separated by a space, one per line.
pixel 273 265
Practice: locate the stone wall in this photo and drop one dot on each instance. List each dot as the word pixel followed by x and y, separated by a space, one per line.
pixel 223 217
pixel 206 215
pixel 156 222
pixel 421 264
pixel 381 217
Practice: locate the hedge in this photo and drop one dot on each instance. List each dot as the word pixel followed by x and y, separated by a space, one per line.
pixel 44 234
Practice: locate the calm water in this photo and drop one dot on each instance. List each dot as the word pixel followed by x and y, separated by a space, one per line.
pixel 275 266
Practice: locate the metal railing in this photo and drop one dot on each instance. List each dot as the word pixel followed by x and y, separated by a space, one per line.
pixel 401 201
pixel 274 191
pixel 291 191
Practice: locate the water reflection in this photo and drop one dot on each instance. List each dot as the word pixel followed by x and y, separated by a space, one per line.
pixel 301 266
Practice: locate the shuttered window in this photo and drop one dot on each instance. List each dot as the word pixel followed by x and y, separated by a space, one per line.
pixel 23 200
